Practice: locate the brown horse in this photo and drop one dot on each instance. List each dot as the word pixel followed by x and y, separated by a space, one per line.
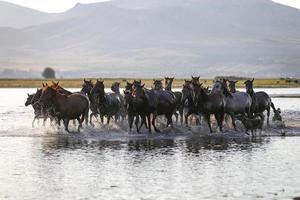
pixel 69 107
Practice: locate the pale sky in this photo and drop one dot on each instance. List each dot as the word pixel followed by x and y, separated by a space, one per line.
pixel 62 5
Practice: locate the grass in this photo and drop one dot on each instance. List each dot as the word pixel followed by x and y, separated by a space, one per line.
pixel 76 83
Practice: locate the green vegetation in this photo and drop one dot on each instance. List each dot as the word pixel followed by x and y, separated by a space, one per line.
pixel 76 83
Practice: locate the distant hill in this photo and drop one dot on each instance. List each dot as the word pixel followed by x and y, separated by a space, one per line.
pixel 153 37
pixel 16 16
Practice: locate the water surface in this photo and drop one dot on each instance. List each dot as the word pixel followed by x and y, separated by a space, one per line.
pixel 45 163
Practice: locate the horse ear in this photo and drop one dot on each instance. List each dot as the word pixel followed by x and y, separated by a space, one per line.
pixel 143 85
pixel 43 84
pixel 28 94
pixel 252 80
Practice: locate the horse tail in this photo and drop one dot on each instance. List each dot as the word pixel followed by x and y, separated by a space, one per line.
pixel 273 107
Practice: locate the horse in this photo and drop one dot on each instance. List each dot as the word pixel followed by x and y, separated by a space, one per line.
pixel 232 86
pixel 132 112
pixel 109 104
pixel 116 89
pixel 213 103
pixel 261 101
pixel 86 89
pixel 236 103
pixel 36 107
pixel 157 102
pixel 157 85
pixel 69 107
pixel 178 95
pixel 187 102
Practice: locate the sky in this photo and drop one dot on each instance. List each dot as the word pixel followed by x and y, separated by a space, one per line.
pixel 63 5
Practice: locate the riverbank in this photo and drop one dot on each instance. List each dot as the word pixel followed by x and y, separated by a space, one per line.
pixel 77 83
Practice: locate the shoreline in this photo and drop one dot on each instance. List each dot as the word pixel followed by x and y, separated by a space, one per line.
pixel 77 83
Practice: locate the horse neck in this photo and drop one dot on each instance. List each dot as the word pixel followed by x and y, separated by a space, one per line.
pixel 169 86
pixel 117 91
pixel 251 92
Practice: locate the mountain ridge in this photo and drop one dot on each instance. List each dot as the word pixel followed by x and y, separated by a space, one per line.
pixel 239 37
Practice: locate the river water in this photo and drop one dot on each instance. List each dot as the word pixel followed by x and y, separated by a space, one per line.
pixel 42 163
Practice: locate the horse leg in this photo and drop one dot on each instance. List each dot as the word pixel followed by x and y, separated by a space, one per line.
pixel 187 116
pixel 108 119
pixel 149 122
pixel 232 115
pixel 66 123
pixel 44 120
pixel 219 121
pixel 91 122
pixel 181 115
pixel 130 122
pixel 268 116
pixel 80 123
pixel 207 116
pixel 32 124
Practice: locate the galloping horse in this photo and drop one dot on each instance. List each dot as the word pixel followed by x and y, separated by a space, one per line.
pixel 69 107
pixel 109 104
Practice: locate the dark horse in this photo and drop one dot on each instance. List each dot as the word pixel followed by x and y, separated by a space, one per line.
pixel 178 95
pixel 115 87
pixel 261 101
pixel 109 104
pixel 157 102
pixel 67 108
pixel 213 103
pixel 86 89
pixel 188 103
pixel 131 109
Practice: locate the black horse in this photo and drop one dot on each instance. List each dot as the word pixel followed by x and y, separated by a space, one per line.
pixel 86 89
pixel 108 104
pixel 261 101
pixel 178 95
pixel 213 103
pixel 188 103
pixel 157 102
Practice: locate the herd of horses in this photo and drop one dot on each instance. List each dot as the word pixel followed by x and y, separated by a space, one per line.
pixel 142 106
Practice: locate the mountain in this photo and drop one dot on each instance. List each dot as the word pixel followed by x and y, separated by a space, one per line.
pixel 15 16
pixel 153 37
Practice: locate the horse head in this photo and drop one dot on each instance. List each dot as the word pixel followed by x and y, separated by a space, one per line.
pixel 232 86
pixel 115 87
pixel 87 86
pixel 195 79
pixel 157 84
pixel 249 86
pixel 98 88
pixel 129 86
pixel 221 88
